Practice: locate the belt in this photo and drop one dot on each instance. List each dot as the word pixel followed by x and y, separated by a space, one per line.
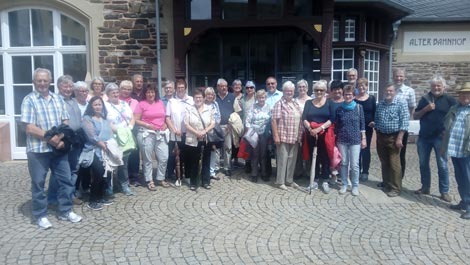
pixel 387 134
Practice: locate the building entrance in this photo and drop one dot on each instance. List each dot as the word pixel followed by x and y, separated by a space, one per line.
pixel 253 54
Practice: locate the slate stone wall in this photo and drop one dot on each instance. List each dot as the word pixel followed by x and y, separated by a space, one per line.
pixel 419 74
pixel 127 40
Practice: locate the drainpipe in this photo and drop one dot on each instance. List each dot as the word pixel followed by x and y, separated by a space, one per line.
pixel 159 65
pixel 395 25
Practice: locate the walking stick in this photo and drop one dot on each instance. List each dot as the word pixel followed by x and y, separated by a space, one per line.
pixel 312 185
pixel 176 150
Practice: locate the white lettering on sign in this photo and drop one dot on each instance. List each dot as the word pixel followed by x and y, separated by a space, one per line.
pixel 435 41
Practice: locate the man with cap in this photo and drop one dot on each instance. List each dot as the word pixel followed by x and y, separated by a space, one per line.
pixel 457 142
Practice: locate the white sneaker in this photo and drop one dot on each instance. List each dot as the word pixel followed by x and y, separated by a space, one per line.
pixel 355 191
pixel 314 186
pixel 178 183
pixel 325 187
pixel 44 223
pixel 283 187
pixel 71 216
pixel 295 185
pixel 343 190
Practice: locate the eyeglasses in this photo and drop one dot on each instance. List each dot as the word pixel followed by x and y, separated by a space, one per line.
pixel 319 90
pixel 250 87
pixel 272 83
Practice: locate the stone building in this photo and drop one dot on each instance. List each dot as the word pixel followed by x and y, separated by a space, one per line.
pixel 434 40
pixel 202 40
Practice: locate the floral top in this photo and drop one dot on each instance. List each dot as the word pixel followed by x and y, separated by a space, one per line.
pixel 258 118
pixel 120 115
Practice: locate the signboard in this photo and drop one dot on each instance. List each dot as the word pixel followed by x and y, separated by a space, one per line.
pixel 436 41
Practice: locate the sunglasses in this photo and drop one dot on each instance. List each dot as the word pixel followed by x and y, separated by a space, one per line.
pixel 319 90
pixel 250 87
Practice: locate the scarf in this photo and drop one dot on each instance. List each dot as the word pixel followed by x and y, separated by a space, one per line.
pixel 349 106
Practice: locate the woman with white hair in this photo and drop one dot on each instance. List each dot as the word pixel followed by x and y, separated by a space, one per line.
pixel 121 116
pixel 316 117
pixel 287 131
pixel 80 91
pixel 258 118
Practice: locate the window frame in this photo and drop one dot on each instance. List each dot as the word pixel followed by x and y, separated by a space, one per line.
pixel 350 29
pixel 372 74
pixel 336 25
pixel 343 70
pixel 57 50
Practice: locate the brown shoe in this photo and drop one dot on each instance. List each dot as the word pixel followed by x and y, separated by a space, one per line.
pixel 393 193
pixel 446 197
pixel 77 201
pixel 422 191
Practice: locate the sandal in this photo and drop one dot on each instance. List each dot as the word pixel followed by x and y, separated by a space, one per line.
pixel 164 184
pixel 151 186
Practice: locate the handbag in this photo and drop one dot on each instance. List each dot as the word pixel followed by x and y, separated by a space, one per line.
pixel 216 134
pixel 251 137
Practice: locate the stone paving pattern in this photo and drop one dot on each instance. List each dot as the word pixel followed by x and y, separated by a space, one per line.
pixel 239 222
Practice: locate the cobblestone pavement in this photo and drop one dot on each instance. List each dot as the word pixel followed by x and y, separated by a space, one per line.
pixel 239 222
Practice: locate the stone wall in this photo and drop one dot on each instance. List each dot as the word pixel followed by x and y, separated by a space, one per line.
pixel 126 41
pixel 420 73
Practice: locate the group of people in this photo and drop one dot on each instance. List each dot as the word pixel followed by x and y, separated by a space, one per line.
pixel 94 141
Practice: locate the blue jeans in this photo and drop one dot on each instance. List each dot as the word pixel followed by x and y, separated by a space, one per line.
pixel 74 154
pixel 462 177
pixel 38 166
pixel 364 160
pixel 425 147
pixel 350 163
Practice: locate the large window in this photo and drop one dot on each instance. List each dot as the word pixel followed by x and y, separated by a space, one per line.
pixel 371 71
pixel 253 55
pixel 343 59
pixel 35 38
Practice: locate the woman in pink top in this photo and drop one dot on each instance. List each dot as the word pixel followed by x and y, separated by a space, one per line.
pixel 152 135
